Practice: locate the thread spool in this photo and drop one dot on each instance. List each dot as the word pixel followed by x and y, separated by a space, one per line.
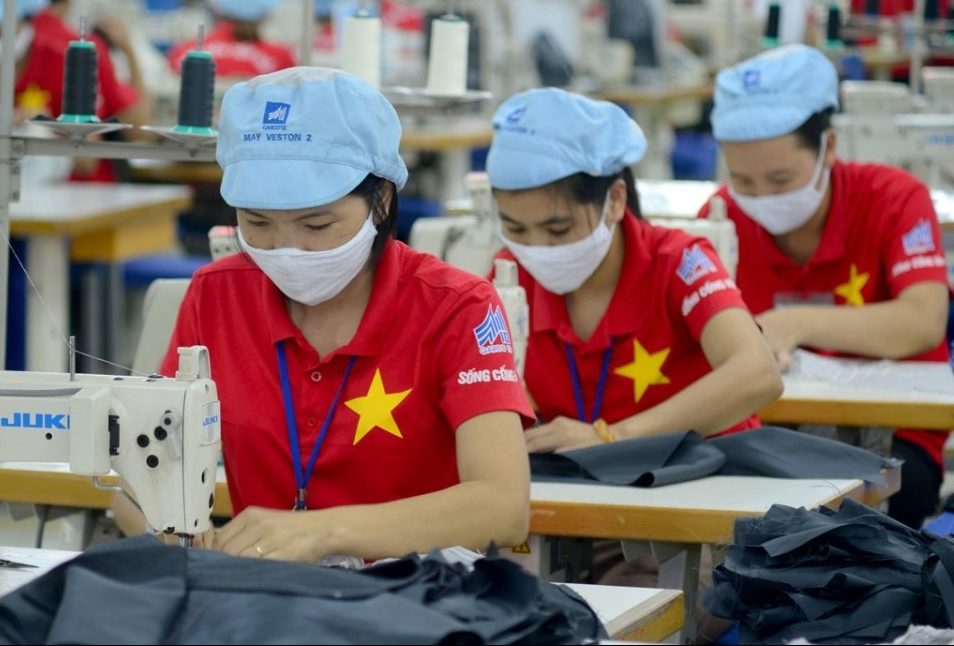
pixel 447 60
pixel 196 92
pixel 772 24
pixel 361 48
pixel 932 10
pixel 872 7
pixel 833 27
pixel 79 83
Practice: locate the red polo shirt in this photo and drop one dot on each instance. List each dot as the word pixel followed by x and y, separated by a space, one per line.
pixel 432 351
pixel 234 57
pixel 670 286
pixel 881 236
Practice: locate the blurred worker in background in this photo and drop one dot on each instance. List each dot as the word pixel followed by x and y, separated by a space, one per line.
pixel 235 41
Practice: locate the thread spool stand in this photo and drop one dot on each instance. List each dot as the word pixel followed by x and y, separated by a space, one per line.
pixel 196 92
pixel 78 119
pixel 431 98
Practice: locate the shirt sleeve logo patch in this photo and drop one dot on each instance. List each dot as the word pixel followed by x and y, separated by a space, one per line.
pixel 492 334
pixel 695 264
pixel 919 240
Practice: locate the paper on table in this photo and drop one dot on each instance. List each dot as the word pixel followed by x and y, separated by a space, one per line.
pixel 910 376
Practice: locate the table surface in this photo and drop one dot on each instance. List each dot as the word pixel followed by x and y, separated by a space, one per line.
pixel 627 613
pixel 700 511
pixel 73 208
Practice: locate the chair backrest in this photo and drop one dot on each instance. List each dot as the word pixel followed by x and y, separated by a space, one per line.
pixel 159 311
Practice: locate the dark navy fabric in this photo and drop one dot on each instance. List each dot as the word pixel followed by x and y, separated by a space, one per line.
pixel 678 457
pixel 141 591
pixel 850 576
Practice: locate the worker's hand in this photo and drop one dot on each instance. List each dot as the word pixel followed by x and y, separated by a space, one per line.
pixel 783 329
pixel 273 534
pixel 561 434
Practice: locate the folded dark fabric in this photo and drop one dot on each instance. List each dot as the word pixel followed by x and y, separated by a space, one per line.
pixel 678 457
pixel 140 591
pixel 782 453
pixel 851 576
pixel 643 462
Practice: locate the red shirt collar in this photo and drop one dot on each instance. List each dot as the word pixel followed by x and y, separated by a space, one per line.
pixel 373 328
pixel 623 316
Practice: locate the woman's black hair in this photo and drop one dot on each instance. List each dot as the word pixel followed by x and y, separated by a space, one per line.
pixel 372 190
pixel 809 134
pixel 589 189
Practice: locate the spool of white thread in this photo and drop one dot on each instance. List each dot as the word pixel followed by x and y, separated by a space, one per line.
pixel 361 48
pixel 447 62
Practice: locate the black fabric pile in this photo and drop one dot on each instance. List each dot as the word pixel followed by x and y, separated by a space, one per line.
pixel 138 591
pixel 852 576
pixel 678 457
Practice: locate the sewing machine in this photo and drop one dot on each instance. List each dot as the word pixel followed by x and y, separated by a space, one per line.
pixel 160 435
pixel 884 123
pixel 470 242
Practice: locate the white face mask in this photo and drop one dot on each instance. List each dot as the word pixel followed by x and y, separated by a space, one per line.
pixel 563 268
pixel 786 212
pixel 312 277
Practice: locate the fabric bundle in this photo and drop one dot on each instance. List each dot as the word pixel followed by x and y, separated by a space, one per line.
pixel 139 591
pixel 852 576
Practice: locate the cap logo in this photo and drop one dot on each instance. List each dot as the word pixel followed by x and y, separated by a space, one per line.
pixel 276 114
pixel 516 115
pixel 751 79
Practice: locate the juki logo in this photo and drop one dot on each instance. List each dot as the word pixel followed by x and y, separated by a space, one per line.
pixel 211 419
pixel 42 421
pixel 276 114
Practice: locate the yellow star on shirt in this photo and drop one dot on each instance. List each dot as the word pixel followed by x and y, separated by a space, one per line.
pixel 851 291
pixel 645 369
pixel 33 100
pixel 376 409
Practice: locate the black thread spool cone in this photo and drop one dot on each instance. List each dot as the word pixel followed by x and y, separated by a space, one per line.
pixel 196 94
pixel 872 7
pixel 833 28
pixel 772 24
pixel 79 83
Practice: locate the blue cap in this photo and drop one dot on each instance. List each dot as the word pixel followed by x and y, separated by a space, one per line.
pixel 772 94
pixel 304 136
pixel 248 10
pixel 547 134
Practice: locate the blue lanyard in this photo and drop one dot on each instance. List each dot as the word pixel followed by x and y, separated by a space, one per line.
pixel 302 478
pixel 578 387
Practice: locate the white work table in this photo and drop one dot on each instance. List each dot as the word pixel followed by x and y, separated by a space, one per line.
pixel 648 614
pixel 887 394
pixel 86 222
